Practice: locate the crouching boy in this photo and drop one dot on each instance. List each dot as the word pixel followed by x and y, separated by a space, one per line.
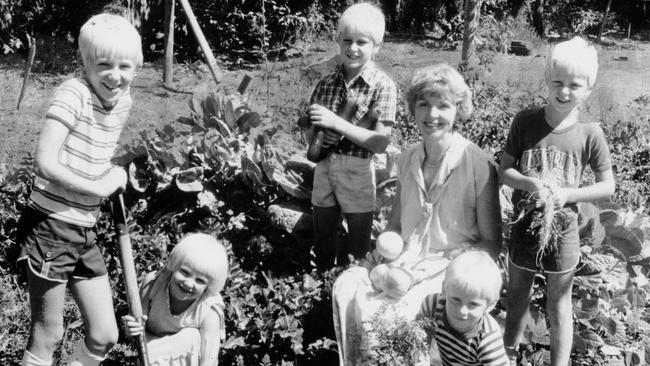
pixel 458 318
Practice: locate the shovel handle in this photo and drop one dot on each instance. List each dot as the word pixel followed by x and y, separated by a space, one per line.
pixel 128 270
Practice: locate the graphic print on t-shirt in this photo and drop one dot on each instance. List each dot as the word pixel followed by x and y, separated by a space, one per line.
pixel 550 165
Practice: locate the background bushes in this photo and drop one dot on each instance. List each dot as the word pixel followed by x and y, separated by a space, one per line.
pixel 249 30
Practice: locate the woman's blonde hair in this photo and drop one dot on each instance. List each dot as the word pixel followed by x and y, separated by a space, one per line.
pixel 364 18
pixel 443 79
pixel 475 272
pixel 205 254
pixel 111 36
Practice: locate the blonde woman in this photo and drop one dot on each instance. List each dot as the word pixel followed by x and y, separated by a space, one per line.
pixel 447 200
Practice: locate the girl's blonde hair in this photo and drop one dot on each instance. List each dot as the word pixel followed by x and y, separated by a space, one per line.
pixel 442 79
pixel 577 55
pixel 364 18
pixel 111 36
pixel 203 253
pixel 475 272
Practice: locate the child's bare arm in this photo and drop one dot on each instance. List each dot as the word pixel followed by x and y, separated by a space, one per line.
pixel 509 175
pixel 375 140
pixel 210 339
pixel 603 188
pixel 50 143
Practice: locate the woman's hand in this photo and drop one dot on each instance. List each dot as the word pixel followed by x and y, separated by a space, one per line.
pixel 133 327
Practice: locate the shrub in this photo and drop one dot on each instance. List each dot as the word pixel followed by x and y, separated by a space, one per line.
pixel 241 31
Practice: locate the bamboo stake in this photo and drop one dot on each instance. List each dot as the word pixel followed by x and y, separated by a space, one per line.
pixel 168 70
pixel 31 41
pixel 203 43
pixel 629 29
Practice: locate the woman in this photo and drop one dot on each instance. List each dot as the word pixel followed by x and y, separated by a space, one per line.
pixel 446 200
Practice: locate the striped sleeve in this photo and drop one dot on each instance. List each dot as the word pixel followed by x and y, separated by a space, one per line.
pixel 428 307
pixel 491 351
pixel 67 103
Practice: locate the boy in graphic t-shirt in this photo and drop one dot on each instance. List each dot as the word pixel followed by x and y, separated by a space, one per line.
pixel 545 155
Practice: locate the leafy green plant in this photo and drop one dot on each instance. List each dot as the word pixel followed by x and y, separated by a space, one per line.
pixel 394 340
pixel 266 315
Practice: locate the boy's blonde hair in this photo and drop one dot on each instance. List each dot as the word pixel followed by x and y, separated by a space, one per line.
pixel 577 55
pixel 442 79
pixel 364 18
pixel 203 253
pixel 109 35
pixel 475 272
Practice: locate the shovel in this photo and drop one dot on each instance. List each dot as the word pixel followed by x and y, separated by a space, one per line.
pixel 128 270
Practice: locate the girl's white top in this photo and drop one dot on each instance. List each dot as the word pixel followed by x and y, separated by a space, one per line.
pixel 162 322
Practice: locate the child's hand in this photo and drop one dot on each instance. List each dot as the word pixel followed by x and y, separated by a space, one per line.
pixel 133 327
pixel 331 138
pixel 321 116
pixel 560 197
pixel 536 185
pixel 116 179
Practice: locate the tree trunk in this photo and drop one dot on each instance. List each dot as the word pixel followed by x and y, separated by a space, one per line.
pixel 538 18
pixel 471 16
pixel 604 23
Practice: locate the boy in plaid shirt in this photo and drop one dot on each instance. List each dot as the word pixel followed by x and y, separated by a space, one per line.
pixel 344 181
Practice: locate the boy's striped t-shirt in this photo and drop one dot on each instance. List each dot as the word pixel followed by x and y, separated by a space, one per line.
pixel 87 150
pixel 482 346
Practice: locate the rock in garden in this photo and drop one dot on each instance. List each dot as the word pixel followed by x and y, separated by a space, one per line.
pixel 299 164
pixel 289 217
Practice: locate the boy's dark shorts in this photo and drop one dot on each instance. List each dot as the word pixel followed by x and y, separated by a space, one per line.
pixel 564 259
pixel 56 250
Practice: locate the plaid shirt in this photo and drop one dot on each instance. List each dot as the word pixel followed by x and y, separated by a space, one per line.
pixel 371 89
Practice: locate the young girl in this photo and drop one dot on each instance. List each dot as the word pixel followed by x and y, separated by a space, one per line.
pixel 183 309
